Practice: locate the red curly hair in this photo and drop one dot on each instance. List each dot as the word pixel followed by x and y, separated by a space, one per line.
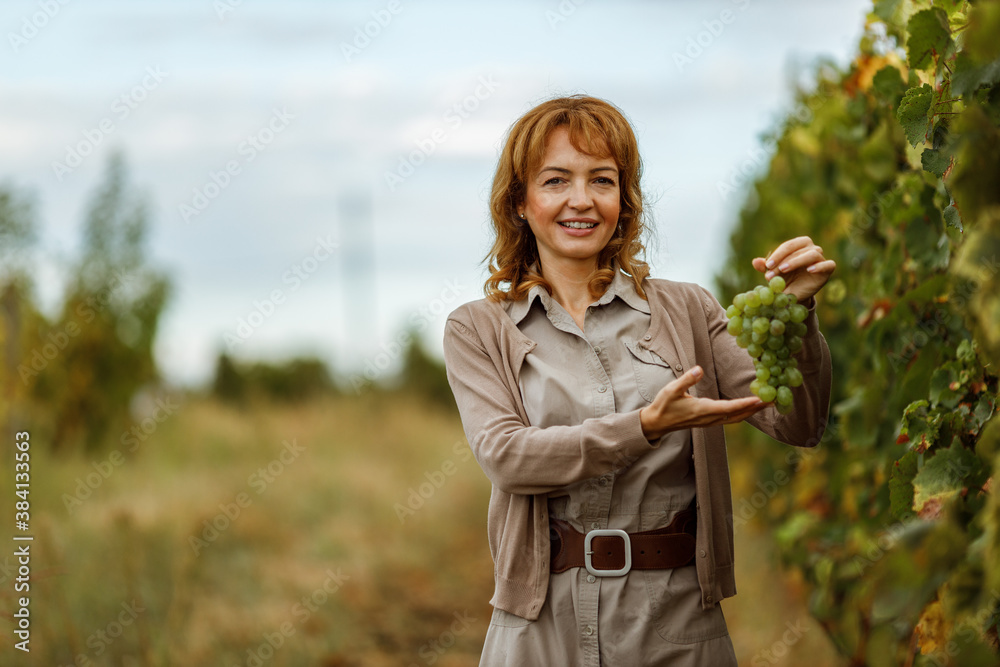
pixel 596 128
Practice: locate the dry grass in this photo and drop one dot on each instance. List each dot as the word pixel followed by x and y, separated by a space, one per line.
pixel 329 511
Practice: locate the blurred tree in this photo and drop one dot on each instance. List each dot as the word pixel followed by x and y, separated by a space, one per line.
pixel 20 321
pixel 229 383
pixel 86 368
pixel 422 375
pixel 289 381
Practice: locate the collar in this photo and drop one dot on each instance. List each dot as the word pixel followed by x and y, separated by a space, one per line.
pixel 621 286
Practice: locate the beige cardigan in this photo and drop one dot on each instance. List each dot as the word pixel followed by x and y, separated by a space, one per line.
pixel 483 351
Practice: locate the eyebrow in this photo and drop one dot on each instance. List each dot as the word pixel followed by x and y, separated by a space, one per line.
pixel 563 170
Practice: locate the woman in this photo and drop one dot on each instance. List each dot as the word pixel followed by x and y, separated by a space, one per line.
pixel 594 397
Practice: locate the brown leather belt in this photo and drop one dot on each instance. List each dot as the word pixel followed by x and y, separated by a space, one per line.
pixel 663 548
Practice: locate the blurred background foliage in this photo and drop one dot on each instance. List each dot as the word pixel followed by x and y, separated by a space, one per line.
pixel 889 530
pixel 895 172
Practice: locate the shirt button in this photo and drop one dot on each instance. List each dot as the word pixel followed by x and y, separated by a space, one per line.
pixel 602 389
pixel 588 631
pixel 594 525
pixel 703 554
pixel 647 337
pixel 603 481
pixel 708 599
pixel 597 349
pixel 678 367
pixel 591 578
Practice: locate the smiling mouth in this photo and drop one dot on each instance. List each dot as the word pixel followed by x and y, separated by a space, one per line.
pixel 578 225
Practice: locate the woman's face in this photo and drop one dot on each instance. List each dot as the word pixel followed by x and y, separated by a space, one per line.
pixel 572 202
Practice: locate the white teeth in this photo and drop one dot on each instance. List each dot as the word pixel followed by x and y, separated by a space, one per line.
pixel 579 225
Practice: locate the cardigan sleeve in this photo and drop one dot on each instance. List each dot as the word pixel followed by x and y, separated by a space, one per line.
pixel 805 425
pixel 522 459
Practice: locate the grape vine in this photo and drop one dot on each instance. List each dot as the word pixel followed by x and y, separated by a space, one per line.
pixel 894 520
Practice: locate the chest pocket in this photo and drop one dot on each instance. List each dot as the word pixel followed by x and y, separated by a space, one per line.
pixel 651 372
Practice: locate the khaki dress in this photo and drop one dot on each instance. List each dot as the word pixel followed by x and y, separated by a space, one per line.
pixel 647 617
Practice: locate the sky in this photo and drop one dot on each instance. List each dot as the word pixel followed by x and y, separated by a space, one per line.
pixel 318 172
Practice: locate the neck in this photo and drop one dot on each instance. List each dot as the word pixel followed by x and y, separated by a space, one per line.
pixel 569 280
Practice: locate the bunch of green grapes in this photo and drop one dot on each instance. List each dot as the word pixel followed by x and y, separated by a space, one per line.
pixel 769 324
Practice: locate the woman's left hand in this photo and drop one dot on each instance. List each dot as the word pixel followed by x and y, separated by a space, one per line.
pixel 801 263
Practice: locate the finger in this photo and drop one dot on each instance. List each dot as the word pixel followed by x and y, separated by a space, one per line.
pixel 799 259
pixel 779 254
pixel 689 379
pixel 715 408
pixel 826 266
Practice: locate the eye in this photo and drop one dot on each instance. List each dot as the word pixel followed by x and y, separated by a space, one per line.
pixel 605 180
pixel 552 181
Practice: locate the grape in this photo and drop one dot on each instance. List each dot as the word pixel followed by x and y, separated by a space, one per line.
pixel 784 395
pixel 769 324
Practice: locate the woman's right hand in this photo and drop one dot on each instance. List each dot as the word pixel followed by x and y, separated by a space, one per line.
pixel 674 409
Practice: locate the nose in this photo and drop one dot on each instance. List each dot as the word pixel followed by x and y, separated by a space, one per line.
pixel 579 195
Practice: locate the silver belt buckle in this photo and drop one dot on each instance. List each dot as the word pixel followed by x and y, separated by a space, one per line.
pixel 588 552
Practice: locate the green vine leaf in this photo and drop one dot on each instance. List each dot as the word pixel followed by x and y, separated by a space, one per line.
pixel 912 112
pixel 935 161
pixel 942 478
pixel 930 37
